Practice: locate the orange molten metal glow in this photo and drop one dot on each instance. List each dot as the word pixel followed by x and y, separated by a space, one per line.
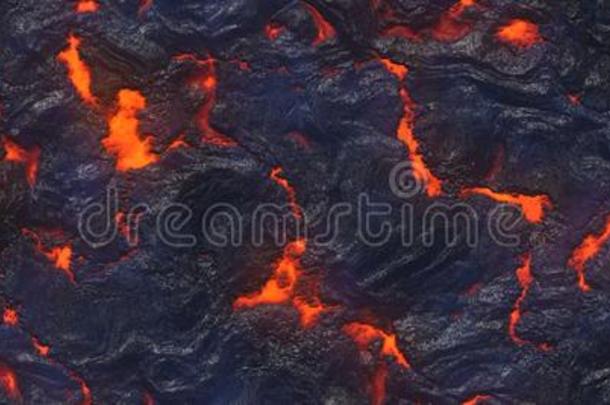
pixel 405 134
pixel 587 250
pixel 145 5
pixel 273 31
pixel 42 349
pixel 78 71
pixel 450 28
pixel 87 6
pixel 525 278
pixel 398 70
pixel 8 380
pixel 277 176
pixel 325 30
pixel 208 83
pixel 521 33
pixel 60 256
pixel 309 310
pixel 378 384
pixel 29 158
pixel 434 186
pixel 532 206
pixel 476 400
pixel 124 140
pixel 364 334
pixel 10 317
pixel 280 287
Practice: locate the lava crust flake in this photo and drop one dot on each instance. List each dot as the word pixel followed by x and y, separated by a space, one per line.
pixel 304 202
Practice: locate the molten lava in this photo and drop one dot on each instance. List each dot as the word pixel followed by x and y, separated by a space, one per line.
pixel 450 27
pixel 8 380
pixel 29 158
pixel 87 6
pixel 520 33
pixel 280 287
pixel 78 71
pixel 364 334
pixel 144 6
pixel 434 186
pixel 589 248
pixel 208 82
pixel 10 317
pixel 42 349
pixel 273 31
pixel 124 139
pixel 405 132
pixel 60 256
pixel 378 384
pixel 533 207
pixel 476 400
pixel 177 143
pixel 309 310
pixel 277 176
pixel 324 28
pixel 398 70
pixel 525 279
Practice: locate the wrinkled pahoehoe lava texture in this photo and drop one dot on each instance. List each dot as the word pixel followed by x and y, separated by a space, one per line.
pixel 306 103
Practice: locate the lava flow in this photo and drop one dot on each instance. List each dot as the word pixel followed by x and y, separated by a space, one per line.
pixel 587 250
pixel 324 28
pixel 532 207
pixel 277 176
pixel 280 287
pixel 29 158
pixel 363 335
pixel 8 380
pixel 60 256
pixel 450 27
pixel 208 82
pixel 520 33
pixel 124 139
pixel 42 349
pixel 405 132
pixel 273 31
pixel 476 400
pixel 10 317
pixel 87 6
pixel 78 71
pixel 525 279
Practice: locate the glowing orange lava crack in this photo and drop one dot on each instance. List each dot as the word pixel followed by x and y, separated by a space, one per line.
pixel 405 132
pixel 29 158
pixel 325 30
pixel 450 28
pixel 476 400
pixel 208 83
pixel 365 334
pixel 587 250
pixel 87 6
pixel 9 383
pixel 277 176
pixel 533 207
pixel 60 256
pixel 78 71
pixel 520 33
pixel 10 317
pixel 525 279
pixel 124 139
